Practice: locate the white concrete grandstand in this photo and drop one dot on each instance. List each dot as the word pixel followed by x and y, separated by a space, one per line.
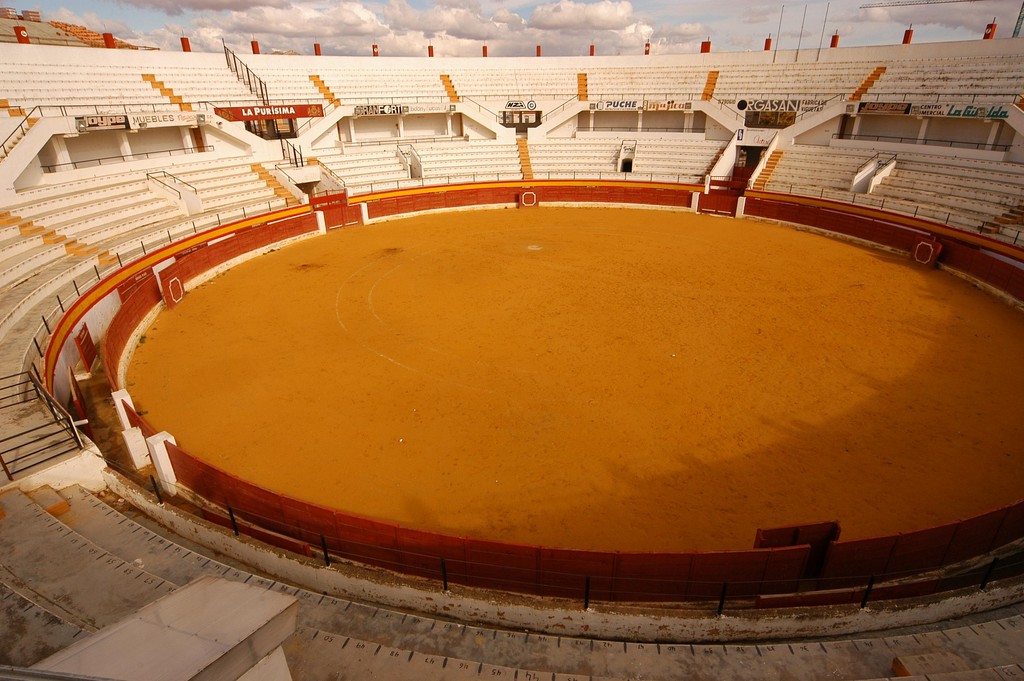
pixel 109 155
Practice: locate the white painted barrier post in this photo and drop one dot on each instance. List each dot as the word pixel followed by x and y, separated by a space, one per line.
pixel 162 462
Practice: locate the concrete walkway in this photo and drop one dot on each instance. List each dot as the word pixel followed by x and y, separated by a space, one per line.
pixel 63 561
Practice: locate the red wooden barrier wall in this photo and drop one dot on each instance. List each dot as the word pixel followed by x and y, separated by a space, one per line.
pixel 614 575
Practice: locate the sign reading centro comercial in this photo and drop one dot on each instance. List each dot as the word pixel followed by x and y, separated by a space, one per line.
pixel 947 110
pixel 267 113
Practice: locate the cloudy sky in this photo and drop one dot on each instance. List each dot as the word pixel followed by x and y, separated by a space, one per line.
pixel 514 27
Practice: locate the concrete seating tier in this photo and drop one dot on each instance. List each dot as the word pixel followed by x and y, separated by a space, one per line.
pixel 196 85
pixel 655 82
pixel 440 160
pixel 353 85
pixel 821 81
pixel 360 167
pixel 690 158
pixel 84 564
pixel 520 83
pixel 575 156
pixel 954 79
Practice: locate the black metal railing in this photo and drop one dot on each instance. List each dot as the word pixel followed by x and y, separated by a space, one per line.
pixel 32 446
pixel 256 85
pixel 15 389
pixel 159 175
pixel 110 160
pixel 492 569
pixel 292 154
pixel 926 141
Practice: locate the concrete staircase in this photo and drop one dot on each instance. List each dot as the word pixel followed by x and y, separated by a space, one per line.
pixel 446 81
pixel 228 630
pixel 766 173
pixel 273 183
pixel 1014 217
pixel 524 158
pixel 709 86
pixel 867 84
pixel 13 111
pixel 73 564
pixel 18 134
pixel 71 246
pixel 166 92
pixel 324 90
pixel 25 227
pixel 581 87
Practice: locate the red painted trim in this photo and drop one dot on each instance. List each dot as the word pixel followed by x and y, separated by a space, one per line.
pixel 105 286
pixel 522 184
pixel 923 224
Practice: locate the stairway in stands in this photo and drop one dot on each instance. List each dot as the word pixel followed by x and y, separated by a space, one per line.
pixel 524 158
pixel 73 562
pixel 766 173
pixel 867 84
pixel 273 183
pixel 324 89
pixel 449 87
pixel 581 87
pixel 709 86
pixel 19 132
pixel 1013 217
pixel 25 227
pixel 166 92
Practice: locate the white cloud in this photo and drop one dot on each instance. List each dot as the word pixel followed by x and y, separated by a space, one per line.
pixel 967 17
pixel 92 21
pixel 177 7
pixel 451 18
pixel 568 15
pixel 513 27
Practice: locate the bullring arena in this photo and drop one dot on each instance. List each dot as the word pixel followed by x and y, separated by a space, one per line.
pixel 693 366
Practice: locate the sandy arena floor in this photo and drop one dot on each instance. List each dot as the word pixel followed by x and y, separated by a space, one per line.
pixel 589 378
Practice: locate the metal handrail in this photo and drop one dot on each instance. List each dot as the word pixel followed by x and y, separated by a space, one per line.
pixel 255 84
pixel 563 105
pixel 60 414
pixel 24 124
pixel 154 175
pixel 89 163
pixel 292 154
pixel 926 141
pixel 328 108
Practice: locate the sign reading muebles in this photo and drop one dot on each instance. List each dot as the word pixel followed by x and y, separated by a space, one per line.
pixel 138 121
pixel 268 113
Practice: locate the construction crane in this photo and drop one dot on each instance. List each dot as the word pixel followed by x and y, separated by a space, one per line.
pixel 904 3
pixel 907 3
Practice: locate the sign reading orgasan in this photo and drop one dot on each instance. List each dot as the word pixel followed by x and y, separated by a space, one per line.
pixel 268 113
pixel 794 105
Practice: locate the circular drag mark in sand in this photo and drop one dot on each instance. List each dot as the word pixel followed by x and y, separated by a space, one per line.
pixel 602 379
